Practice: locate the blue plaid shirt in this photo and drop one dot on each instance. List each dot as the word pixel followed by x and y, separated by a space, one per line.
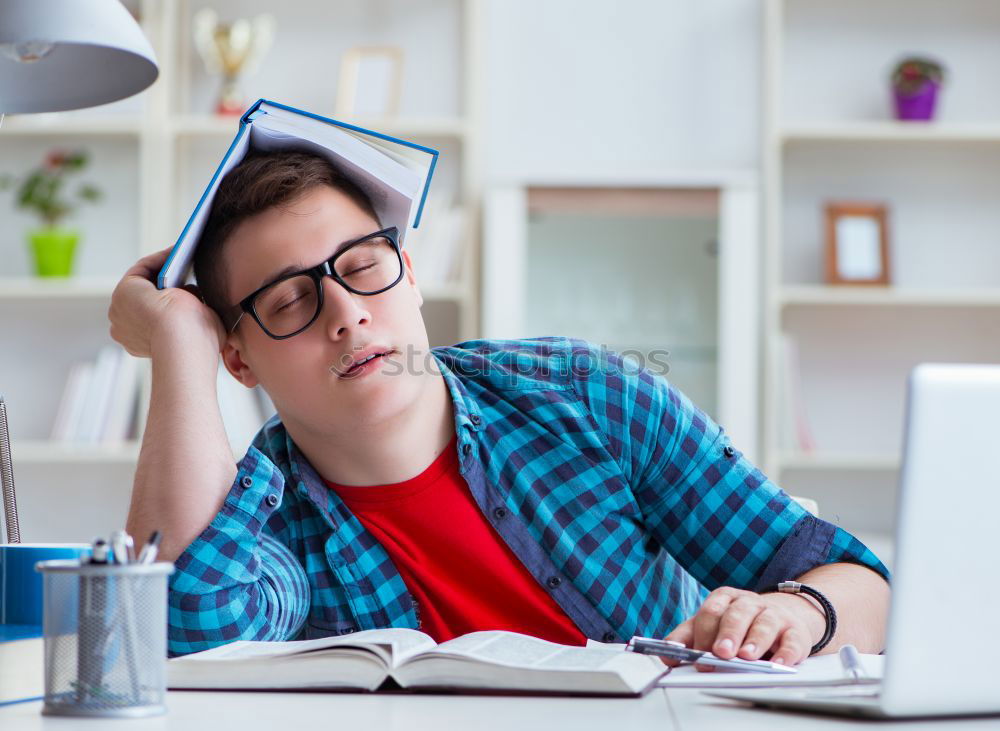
pixel 620 497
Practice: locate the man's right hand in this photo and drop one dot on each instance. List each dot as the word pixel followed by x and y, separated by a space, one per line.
pixel 140 313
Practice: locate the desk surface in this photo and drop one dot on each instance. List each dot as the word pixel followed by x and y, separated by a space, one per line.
pixel 677 709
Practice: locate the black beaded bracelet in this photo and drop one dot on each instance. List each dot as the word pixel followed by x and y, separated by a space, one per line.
pixel 794 587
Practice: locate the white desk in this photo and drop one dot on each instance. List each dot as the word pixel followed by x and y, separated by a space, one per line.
pixel 674 710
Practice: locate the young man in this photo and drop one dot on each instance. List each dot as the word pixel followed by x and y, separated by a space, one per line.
pixel 539 486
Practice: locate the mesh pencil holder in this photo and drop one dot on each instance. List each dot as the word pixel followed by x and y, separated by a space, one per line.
pixel 105 629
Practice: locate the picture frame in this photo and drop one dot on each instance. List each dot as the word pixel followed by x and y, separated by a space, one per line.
pixel 370 83
pixel 857 243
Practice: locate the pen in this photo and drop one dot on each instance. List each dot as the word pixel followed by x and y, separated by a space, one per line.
pixel 123 547
pixel 152 547
pixel 677 651
pixel 92 626
pixel 851 661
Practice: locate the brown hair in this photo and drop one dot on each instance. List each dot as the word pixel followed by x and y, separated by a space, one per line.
pixel 261 181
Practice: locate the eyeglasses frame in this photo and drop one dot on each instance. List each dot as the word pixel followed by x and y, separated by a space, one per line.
pixel 325 268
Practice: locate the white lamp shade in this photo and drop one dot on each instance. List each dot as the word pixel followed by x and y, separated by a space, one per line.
pixel 98 55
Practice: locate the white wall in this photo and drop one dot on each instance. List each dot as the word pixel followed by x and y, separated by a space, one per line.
pixel 593 87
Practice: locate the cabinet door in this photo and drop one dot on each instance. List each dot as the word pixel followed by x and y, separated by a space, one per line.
pixel 643 282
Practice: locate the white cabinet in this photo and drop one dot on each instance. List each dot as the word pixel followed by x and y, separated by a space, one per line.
pixel 662 268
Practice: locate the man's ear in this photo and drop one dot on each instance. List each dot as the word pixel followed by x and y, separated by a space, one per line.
pixel 232 358
pixel 408 264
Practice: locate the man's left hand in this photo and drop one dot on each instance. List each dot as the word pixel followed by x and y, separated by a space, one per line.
pixel 737 623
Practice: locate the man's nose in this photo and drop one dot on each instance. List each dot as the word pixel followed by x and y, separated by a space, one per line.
pixel 343 311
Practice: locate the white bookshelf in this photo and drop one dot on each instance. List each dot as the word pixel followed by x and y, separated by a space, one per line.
pixel 153 155
pixel 889 131
pixel 837 461
pixel 827 134
pixel 818 295
pixel 46 452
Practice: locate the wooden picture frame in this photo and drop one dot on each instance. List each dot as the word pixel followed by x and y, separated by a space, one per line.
pixel 370 83
pixel 857 243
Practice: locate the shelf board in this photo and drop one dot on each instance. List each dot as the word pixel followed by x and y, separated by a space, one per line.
pixel 888 296
pixel 218 126
pixel 890 131
pixel 42 125
pixel 837 461
pixel 44 451
pixel 16 288
pixel 447 292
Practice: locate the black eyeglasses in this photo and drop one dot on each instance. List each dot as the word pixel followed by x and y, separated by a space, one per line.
pixel 287 306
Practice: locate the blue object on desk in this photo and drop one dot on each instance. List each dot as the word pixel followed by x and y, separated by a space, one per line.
pixel 21 585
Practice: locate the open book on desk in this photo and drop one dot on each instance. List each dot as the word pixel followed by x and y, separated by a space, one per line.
pixel 492 661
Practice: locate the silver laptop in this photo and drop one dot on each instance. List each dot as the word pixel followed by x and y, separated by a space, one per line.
pixel 943 636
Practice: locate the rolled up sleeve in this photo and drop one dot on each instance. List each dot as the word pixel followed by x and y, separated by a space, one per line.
pixel 720 518
pixel 237 581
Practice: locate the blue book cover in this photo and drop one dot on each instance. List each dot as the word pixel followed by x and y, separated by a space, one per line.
pixel 395 174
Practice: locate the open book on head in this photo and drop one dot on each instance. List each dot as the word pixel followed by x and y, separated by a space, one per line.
pixel 395 174
pixel 491 661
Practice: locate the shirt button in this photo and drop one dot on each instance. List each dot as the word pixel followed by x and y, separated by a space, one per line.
pixel 272 499
pixel 247 481
pixel 608 637
pixel 347 630
pixel 474 418
pixel 553 582
pixel 729 452
pixel 466 448
pixel 499 513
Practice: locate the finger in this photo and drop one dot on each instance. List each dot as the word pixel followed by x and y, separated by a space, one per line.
pixel 735 624
pixel 149 264
pixel 762 634
pixel 683 633
pixel 793 647
pixel 708 618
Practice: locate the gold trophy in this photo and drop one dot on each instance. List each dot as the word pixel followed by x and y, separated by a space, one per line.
pixel 232 51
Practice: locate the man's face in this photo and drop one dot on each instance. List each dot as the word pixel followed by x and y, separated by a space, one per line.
pixel 310 376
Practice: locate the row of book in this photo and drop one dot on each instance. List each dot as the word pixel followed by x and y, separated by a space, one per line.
pixel 99 400
pixel 436 246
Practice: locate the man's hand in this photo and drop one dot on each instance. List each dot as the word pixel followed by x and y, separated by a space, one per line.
pixel 140 313
pixel 737 623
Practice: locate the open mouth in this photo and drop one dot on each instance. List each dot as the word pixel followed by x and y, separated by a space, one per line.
pixel 366 363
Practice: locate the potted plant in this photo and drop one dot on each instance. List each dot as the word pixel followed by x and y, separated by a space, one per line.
pixel 915 83
pixel 42 191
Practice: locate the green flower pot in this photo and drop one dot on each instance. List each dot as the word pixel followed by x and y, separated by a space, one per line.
pixel 53 250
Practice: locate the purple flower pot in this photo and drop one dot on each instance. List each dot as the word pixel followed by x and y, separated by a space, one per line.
pixel 919 106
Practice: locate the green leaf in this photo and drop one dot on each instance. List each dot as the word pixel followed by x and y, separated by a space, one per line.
pixel 89 192
pixel 76 160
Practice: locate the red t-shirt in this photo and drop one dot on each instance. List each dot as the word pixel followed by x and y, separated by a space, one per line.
pixel 462 575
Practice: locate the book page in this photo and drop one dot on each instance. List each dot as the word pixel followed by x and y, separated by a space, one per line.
pixel 386 643
pixel 398 173
pixel 517 650
pixel 394 208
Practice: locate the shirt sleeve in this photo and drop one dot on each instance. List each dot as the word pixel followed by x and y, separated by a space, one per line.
pixel 703 501
pixel 237 580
